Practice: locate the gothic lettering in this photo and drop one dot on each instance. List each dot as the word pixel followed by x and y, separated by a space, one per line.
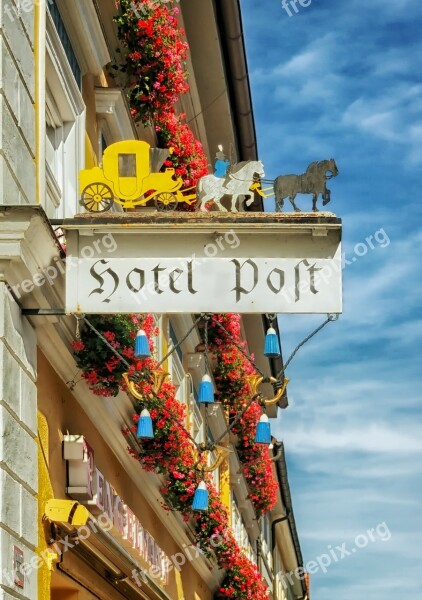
pixel 173 277
pixel 238 288
pixel 279 274
pixel 300 285
pixel 190 278
pixel 99 277
pixel 139 284
pixel 157 270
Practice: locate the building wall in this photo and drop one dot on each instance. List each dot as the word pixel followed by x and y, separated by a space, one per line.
pixel 18 447
pixel 66 416
pixel 17 98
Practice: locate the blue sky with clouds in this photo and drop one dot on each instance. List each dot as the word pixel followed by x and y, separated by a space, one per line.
pixel 344 79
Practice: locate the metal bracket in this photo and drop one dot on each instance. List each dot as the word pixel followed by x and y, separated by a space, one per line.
pixel 43 312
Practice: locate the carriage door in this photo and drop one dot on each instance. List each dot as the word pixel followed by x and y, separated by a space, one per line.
pixel 127 183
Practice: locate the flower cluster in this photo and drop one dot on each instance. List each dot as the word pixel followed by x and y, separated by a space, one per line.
pixel 171 452
pixel 243 579
pixel 154 64
pixel 101 367
pixel 256 463
pixel 155 56
pixel 233 392
pixel 188 157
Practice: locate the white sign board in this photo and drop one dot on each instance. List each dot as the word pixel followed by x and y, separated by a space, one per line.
pixel 228 270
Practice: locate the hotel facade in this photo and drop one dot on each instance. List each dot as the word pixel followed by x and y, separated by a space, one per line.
pixel 79 517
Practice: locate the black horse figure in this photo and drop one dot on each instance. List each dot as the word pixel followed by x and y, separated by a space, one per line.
pixel 312 182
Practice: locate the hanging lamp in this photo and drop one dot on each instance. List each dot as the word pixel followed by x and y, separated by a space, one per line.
pixel 272 344
pixel 263 431
pixel 206 387
pixel 200 499
pixel 145 428
pixel 142 345
pixel 206 391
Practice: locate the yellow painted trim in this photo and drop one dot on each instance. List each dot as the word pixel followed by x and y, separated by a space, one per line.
pixel 90 155
pixel 37 12
pixel 188 414
pixel 165 334
pixel 45 493
pixel 179 585
pixel 225 491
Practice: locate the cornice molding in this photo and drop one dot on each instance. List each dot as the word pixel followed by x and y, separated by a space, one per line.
pixel 20 257
pixel 112 106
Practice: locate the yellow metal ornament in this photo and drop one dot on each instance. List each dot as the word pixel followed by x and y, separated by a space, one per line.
pixel 130 177
pixel 254 381
pixel 256 187
pixel 222 453
pixel 158 378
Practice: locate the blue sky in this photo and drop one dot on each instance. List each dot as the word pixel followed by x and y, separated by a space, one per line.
pixel 343 79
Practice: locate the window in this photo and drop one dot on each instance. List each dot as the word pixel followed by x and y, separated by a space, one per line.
pixel 266 529
pixel 65 40
pixel 178 378
pixel 212 457
pixel 240 532
pixel 175 341
pixel 157 339
pixel 185 391
pixel 103 145
pixel 65 122
pixel 196 421
pixel 127 165
pixel 266 538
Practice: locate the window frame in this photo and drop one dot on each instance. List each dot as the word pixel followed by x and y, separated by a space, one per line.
pixel 66 112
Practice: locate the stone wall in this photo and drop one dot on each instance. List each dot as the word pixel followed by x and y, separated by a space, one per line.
pixel 18 448
pixel 17 98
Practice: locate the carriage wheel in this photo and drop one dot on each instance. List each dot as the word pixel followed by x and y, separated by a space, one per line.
pixel 97 197
pixel 165 202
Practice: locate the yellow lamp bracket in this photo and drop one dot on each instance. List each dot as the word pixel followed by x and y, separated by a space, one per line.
pixel 66 511
pixel 254 381
pixel 157 377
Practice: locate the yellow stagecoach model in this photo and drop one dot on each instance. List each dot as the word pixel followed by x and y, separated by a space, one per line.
pixel 130 177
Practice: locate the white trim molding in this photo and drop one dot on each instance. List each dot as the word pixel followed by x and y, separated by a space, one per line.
pixel 112 106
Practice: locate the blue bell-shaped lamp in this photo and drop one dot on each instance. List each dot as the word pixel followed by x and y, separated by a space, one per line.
pixel 272 345
pixel 145 429
pixel 263 431
pixel 142 345
pixel 206 391
pixel 200 499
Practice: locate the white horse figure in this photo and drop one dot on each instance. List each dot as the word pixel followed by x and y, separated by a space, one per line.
pixel 236 183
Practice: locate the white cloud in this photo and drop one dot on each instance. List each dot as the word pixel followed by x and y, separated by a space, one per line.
pixel 388 115
pixel 299 65
pixel 371 438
